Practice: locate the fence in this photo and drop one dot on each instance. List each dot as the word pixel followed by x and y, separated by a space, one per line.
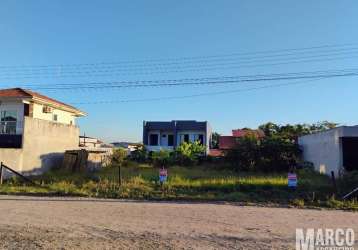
pixel 3 166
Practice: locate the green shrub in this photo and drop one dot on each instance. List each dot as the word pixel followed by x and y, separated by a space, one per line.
pixel 298 203
pixel 162 158
pixel 271 154
pixel 140 154
pixel 188 153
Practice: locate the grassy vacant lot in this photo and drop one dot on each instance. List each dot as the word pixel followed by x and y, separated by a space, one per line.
pixel 205 183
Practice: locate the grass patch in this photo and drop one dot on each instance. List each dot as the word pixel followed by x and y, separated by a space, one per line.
pixel 204 183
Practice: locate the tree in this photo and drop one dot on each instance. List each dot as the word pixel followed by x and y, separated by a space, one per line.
pixel 246 154
pixel 269 128
pixel 278 154
pixel 119 157
pixel 292 132
pixel 269 154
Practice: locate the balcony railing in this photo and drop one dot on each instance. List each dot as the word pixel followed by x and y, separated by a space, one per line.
pixel 10 127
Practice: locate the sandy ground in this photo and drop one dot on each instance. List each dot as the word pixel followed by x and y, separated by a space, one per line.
pixel 73 223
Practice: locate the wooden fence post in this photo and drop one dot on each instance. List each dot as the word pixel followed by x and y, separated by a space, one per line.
pixel 334 182
pixel 119 174
pixel 1 177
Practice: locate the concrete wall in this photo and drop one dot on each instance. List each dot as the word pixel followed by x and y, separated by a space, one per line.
pixel 323 150
pixel 44 144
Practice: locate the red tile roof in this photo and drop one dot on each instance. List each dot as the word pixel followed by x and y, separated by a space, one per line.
pixel 227 142
pixel 216 153
pixel 22 93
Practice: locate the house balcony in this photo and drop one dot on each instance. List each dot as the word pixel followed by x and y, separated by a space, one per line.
pixel 11 134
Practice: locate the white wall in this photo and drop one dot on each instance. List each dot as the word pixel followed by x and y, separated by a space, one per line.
pixel 324 150
pixel 64 117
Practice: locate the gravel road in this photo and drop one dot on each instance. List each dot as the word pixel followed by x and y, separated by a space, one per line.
pixel 80 223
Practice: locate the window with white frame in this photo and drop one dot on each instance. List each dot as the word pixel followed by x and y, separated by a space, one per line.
pixel 8 120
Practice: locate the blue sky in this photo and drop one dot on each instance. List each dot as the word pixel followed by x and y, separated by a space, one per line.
pixel 81 32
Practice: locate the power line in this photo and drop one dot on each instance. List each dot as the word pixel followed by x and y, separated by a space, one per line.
pixel 188 67
pixel 309 49
pixel 113 65
pixel 197 95
pixel 198 81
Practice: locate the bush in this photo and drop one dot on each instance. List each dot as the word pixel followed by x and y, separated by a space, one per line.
pixel 246 155
pixel 189 153
pixel 140 154
pixel 268 155
pixel 277 154
pixel 162 158
pixel 298 203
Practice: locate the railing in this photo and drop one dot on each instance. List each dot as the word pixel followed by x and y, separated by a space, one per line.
pixel 3 166
pixel 9 127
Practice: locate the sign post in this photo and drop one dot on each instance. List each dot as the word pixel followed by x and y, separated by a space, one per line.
pixel 163 175
pixel 292 180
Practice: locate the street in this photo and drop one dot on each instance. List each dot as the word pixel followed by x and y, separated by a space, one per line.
pixel 82 223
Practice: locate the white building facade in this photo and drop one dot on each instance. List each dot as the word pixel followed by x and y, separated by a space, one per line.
pixel 332 150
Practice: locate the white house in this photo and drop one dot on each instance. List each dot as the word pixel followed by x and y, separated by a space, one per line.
pixel 168 135
pixel 35 130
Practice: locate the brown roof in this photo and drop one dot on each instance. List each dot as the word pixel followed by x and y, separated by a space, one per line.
pixel 22 93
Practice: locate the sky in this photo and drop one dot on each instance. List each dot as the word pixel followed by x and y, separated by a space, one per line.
pixel 119 33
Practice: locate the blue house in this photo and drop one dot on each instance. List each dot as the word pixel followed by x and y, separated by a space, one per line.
pixel 168 135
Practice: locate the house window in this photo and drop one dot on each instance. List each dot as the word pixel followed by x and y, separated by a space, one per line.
pixel 184 138
pixel 170 140
pixel 26 109
pixel 8 121
pixel 201 139
pixel 153 140
pixel 54 117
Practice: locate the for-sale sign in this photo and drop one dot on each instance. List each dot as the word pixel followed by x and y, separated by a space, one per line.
pixel 163 175
pixel 292 180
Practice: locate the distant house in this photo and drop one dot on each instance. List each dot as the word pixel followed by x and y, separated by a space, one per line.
pixel 130 146
pixel 332 150
pixel 230 141
pixel 35 130
pixel 90 142
pixel 168 135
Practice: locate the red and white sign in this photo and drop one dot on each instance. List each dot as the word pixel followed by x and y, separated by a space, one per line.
pixel 163 172
pixel 292 180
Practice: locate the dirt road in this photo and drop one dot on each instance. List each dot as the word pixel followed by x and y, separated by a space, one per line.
pixel 72 223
